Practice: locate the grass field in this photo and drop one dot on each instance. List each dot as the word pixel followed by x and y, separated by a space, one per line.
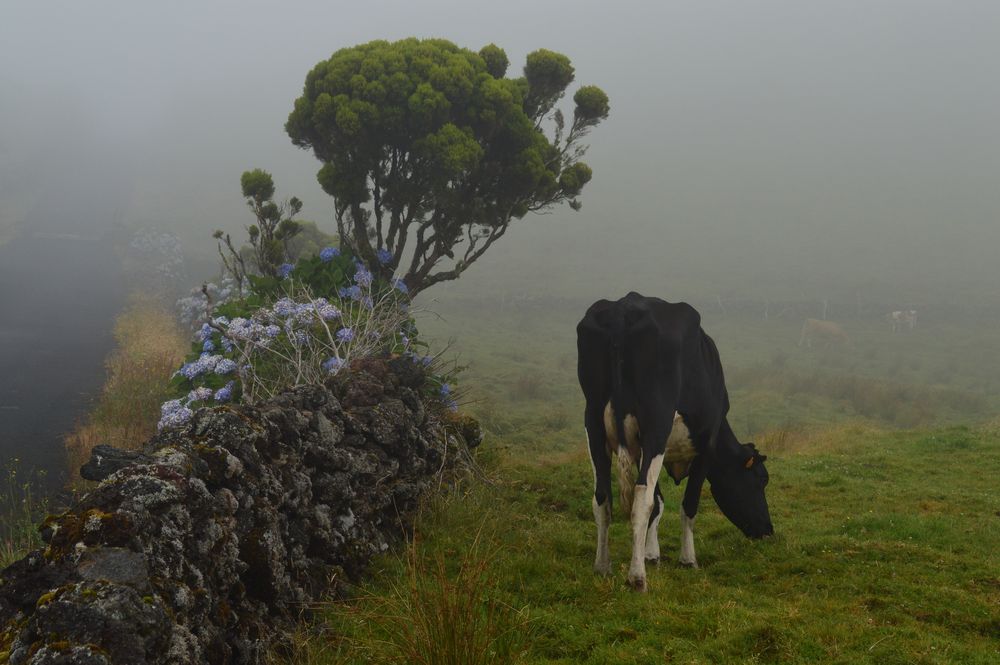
pixel 887 513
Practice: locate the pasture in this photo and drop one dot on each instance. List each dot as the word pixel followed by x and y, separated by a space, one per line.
pixel 883 492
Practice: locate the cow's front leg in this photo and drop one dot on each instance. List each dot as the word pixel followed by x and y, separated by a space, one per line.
pixel 689 509
pixel 601 501
pixel 642 510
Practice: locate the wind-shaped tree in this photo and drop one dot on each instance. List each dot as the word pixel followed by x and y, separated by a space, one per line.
pixel 429 151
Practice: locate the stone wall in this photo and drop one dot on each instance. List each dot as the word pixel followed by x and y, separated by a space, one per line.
pixel 198 549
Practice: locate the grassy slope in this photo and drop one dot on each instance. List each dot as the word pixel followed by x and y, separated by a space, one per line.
pixel 888 545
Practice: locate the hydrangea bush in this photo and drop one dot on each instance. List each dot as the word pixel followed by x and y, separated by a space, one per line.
pixel 294 330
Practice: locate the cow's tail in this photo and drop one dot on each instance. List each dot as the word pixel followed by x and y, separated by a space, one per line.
pixel 620 408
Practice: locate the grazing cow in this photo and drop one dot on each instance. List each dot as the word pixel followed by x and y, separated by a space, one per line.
pixel 900 318
pixel 824 331
pixel 656 397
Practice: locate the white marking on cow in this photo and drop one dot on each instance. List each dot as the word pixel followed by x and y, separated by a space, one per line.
pixel 602 516
pixel 652 539
pixel 687 557
pixel 642 508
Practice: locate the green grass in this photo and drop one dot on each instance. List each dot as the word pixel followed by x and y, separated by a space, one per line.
pixel 20 511
pixel 888 540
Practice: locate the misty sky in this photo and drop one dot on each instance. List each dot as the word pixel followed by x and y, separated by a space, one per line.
pixel 752 146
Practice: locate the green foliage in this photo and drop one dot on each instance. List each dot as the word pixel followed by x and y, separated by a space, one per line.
pixel 20 512
pixel 270 238
pixel 427 149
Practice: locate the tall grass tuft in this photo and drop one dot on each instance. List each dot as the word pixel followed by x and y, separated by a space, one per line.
pixel 446 609
pixel 20 512
pixel 150 346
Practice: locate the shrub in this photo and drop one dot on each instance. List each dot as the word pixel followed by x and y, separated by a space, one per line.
pixel 298 328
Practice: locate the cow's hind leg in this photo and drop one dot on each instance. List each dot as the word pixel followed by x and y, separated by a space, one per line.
pixel 652 538
pixel 653 443
pixel 601 501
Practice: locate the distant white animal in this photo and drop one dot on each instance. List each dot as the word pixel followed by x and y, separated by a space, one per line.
pixel 822 331
pixel 902 317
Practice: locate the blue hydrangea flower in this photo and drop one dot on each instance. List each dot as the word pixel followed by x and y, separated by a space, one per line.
pixel 445 390
pixel 328 312
pixel 227 345
pixel 285 270
pixel 199 394
pixel 352 292
pixel 225 366
pixel 204 333
pixel 367 302
pixel 345 335
pixel 451 405
pixel 400 286
pixel 225 393
pixel 208 345
pixel 285 307
pixel 327 254
pixel 272 331
pixel 170 406
pixel 175 418
pixel 363 276
pixel 333 365
pixel 383 255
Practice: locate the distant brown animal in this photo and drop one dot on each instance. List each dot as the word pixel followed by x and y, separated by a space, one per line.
pixel 823 331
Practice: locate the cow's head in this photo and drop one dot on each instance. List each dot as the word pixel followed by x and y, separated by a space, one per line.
pixel 738 488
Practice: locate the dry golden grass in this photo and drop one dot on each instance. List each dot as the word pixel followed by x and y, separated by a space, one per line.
pixel 150 347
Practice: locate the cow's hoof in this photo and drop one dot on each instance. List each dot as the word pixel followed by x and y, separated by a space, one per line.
pixel 654 561
pixel 602 569
pixel 638 584
pixel 688 564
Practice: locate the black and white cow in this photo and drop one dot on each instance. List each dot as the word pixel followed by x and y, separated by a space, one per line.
pixel 656 397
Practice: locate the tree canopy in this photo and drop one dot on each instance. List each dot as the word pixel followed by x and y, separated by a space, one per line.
pixel 429 151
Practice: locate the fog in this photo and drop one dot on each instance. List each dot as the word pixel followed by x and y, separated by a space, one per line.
pixel 809 149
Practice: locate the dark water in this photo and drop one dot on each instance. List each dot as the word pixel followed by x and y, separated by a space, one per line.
pixel 60 290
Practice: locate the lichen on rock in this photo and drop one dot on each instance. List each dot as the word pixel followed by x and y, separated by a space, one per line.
pixel 196 549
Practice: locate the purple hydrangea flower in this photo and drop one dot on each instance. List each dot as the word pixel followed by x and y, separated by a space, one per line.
pixel 175 418
pixel 170 406
pixel 451 405
pixel 363 276
pixel 285 269
pixel 199 394
pixel 225 393
pixel 204 333
pixel 327 254
pixel 328 312
pixel 225 366
pixel 367 302
pixel 272 331
pixel 383 255
pixel 445 390
pixel 333 365
pixel 345 335
pixel 285 307
pixel 352 292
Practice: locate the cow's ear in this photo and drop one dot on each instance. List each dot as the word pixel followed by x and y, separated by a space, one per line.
pixel 749 463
